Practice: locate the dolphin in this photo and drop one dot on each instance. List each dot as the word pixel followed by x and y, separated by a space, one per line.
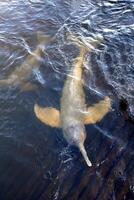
pixel 20 75
pixel 74 113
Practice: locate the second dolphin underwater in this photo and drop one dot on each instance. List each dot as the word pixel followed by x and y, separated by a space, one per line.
pixel 20 75
pixel 74 113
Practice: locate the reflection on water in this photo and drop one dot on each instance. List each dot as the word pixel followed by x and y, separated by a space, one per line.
pixel 36 162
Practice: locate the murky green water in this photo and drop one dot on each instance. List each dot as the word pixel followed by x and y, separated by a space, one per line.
pixel 35 161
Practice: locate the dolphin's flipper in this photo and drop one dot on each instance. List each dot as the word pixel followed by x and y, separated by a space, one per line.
pixel 96 112
pixel 5 82
pixel 49 116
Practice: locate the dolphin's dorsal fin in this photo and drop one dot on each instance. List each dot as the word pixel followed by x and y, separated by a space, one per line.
pixel 96 112
pixel 49 116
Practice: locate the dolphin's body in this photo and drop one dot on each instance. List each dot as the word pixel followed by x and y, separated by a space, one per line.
pixel 73 112
pixel 20 75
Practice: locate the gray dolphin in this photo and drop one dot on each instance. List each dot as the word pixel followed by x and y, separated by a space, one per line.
pixel 74 113
pixel 20 75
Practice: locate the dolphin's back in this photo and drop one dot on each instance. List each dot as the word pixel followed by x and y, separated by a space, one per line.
pixel 73 97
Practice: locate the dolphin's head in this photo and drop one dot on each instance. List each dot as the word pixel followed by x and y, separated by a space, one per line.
pixel 76 135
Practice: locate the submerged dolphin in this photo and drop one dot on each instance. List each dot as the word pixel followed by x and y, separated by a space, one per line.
pixel 73 112
pixel 20 75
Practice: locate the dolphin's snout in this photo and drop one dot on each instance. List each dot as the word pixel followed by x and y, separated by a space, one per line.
pixel 84 153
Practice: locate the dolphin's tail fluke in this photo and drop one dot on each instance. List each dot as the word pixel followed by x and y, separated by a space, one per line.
pixel 43 39
pixel 87 43
pixel 84 153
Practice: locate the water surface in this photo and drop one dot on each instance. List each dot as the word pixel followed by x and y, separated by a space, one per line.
pixel 36 162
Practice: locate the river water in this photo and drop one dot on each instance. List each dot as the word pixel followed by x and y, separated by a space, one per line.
pixel 35 161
